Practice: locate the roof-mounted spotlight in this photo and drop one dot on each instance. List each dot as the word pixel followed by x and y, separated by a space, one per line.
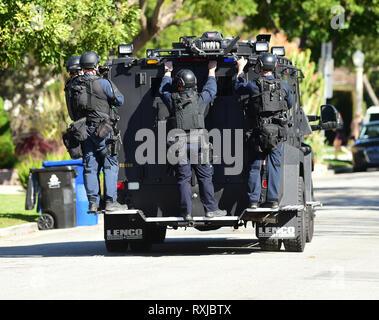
pixel 278 51
pixel 125 49
pixel 261 46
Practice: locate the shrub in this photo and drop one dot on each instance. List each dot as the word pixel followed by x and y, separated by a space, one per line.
pixel 7 148
pixel 23 167
pixel 34 145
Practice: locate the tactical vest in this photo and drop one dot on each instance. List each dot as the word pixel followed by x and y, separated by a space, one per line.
pixel 186 115
pixel 272 96
pixel 89 98
pixel 270 107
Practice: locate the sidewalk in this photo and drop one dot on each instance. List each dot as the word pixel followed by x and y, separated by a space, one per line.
pixel 11 189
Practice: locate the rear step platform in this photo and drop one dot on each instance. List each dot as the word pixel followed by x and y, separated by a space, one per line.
pixel 267 215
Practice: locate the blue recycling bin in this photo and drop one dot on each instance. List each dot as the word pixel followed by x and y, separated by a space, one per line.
pixel 82 217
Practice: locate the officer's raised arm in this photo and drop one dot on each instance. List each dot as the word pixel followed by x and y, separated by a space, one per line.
pixel 210 88
pixel 165 88
pixel 241 63
pixel 242 87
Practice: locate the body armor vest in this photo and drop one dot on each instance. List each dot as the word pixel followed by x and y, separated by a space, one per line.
pixel 269 107
pixel 271 98
pixel 89 98
pixel 186 111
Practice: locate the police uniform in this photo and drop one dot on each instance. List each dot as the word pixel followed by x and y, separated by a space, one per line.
pixel 95 155
pixel 190 117
pixel 256 156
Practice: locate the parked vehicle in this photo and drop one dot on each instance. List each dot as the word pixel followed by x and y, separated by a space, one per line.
pixel 372 114
pixel 366 148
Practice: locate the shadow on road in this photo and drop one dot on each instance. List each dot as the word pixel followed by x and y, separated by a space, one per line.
pixel 171 247
pixel 348 197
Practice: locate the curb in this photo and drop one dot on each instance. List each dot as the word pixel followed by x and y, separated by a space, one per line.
pixel 30 227
pixel 18 230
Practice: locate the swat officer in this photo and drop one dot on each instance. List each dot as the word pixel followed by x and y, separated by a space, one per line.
pixel 74 69
pixel 95 97
pixel 187 108
pixel 269 100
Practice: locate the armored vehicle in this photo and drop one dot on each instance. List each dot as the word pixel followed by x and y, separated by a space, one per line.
pixel 150 189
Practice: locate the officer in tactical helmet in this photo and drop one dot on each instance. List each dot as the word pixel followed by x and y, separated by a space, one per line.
pixel 187 108
pixel 94 98
pixel 269 100
pixel 74 69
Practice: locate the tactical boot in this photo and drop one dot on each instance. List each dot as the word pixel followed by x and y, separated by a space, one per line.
pixel 187 217
pixel 274 205
pixel 115 206
pixel 93 207
pixel 217 213
pixel 271 204
pixel 253 205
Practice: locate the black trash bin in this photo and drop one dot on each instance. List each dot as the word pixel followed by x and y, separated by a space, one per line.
pixel 56 195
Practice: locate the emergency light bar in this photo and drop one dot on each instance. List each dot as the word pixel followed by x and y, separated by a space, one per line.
pixel 125 49
pixel 279 51
pixel 261 46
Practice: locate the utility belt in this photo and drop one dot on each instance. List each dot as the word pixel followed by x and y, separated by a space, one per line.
pixel 268 133
pixel 272 131
pixel 191 136
pixel 78 131
pixel 198 138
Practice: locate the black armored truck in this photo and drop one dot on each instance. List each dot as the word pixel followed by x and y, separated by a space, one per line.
pixel 146 180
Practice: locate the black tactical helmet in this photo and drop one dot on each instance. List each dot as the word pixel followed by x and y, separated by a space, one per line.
pixel 267 61
pixel 89 60
pixel 73 65
pixel 186 79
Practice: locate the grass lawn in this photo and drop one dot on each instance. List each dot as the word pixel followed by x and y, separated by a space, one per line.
pixel 12 210
pixel 338 164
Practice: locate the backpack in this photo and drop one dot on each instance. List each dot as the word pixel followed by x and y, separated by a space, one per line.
pixel 81 93
pixel 271 107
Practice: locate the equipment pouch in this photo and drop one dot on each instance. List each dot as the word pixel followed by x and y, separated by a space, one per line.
pixel 104 128
pixel 72 145
pixel 79 129
pixel 269 136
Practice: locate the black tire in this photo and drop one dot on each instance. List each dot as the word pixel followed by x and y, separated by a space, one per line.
pixel 116 245
pixel 359 169
pixel 310 218
pixel 268 244
pixel 298 244
pixel 45 222
pixel 309 224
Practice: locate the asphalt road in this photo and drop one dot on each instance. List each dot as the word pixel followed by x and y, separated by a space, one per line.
pixel 342 261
